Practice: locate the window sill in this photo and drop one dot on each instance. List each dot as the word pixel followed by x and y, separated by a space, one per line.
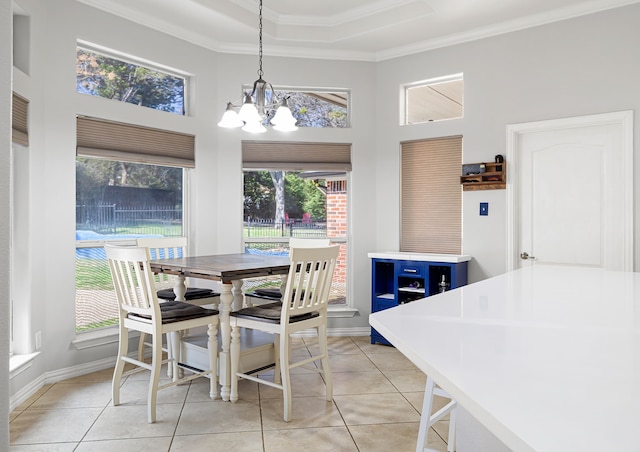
pixel 20 363
pixel 341 311
pixel 97 338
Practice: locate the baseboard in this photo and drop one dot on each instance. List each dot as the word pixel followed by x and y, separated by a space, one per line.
pixel 82 369
pixel 58 375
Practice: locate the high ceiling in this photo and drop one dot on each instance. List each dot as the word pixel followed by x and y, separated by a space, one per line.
pixel 367 30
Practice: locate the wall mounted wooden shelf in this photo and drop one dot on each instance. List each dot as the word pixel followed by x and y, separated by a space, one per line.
pixel 493 178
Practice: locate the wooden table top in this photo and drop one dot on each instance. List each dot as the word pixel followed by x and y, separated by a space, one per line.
pixel 223 267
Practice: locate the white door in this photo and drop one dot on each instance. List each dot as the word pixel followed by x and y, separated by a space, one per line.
pixel 570 189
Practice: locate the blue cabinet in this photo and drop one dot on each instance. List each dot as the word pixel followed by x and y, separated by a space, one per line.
pixel 398 278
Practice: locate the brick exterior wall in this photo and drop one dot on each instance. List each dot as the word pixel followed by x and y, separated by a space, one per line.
pixel 337 224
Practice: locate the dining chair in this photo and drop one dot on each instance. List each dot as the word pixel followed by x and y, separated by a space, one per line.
pixel 427 419
pixel 272 294
pixel 165 248
pixel 140 310
pixel 168 247
pixel 304 306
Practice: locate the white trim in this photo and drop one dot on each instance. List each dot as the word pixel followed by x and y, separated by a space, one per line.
pixel 75 371
pixel 342 310
pixel 55 376
pixel 103 336
pixel 624 119
pixel 20 363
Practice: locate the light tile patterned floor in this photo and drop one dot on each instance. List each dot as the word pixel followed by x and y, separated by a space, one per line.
pixel 376 407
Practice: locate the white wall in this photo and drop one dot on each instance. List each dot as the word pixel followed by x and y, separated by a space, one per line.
pixel 577 67
pixel 5 155
pixel 582 66
pixel 216 202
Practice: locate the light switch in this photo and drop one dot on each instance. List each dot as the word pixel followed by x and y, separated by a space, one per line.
pixel 484 208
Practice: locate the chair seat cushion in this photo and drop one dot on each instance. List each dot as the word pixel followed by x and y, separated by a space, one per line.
pixel 273 293
pixel 177 311
pixel 193 293
pixel 270 313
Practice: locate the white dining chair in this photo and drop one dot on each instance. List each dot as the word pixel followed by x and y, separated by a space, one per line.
pixel 303 306
pixel 166 248
pixel 140 310
pixel 271 294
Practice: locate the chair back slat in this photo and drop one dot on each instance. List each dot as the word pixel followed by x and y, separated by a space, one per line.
pixel 309 280
pixel 133 280
pixel 164 248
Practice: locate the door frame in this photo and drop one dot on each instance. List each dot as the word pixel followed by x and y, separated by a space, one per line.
pixel 623 119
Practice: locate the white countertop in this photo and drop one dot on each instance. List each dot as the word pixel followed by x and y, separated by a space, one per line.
pixel 547 357
pixel 430 257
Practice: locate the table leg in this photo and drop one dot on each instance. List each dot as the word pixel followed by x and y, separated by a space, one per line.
pixel 237 294
pixel 179 289
pixel 224 362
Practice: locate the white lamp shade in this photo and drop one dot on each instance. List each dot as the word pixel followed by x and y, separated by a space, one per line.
pixel 230 120
pixel 283 120
pixel 254 127
pixel 249 113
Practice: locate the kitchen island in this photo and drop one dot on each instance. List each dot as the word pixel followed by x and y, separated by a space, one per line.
pixel 545 358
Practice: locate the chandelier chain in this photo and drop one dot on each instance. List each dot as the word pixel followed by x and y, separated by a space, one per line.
pixel 260 73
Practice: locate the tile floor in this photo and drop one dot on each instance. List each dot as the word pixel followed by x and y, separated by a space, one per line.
pixel 376 407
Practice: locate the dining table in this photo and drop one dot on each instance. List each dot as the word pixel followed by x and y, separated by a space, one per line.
pixel 230 270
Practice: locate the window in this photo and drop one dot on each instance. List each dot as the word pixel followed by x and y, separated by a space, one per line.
pixel 433 100
pixel 282 201
pixel 118 201
pixel 431 196
pixel 315 108
pixel 112 78
pixel 129 184
pixel 318 108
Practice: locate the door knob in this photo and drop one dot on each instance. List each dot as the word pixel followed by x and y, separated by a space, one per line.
pixel 524 256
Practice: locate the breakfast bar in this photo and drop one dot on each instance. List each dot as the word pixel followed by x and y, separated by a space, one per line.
pixel 545 358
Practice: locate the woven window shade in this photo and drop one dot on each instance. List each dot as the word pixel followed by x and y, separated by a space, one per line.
pixel 296 156
pixel 431 198
pixel 19 115
pixel 132 143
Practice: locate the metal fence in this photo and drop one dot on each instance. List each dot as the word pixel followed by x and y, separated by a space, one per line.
pixel 288 228
pixel 111 218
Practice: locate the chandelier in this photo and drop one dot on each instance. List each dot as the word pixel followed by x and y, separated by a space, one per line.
pixel 253 114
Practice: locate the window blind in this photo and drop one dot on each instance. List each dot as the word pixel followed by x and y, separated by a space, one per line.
pixel 431 196
pixel 296 156
pixel 19 120
pixel 133 143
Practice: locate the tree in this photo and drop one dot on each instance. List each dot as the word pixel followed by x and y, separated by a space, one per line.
pixel 259 200
pixel 94 175
pixel 311 111
pixel 300 196
pixel 110 78
pixel 278 183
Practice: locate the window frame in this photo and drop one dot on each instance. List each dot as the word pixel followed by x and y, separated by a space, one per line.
pixel 147 64
pixel 405 101
pixel 346 309
pixel 97 336
pixel 283 88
